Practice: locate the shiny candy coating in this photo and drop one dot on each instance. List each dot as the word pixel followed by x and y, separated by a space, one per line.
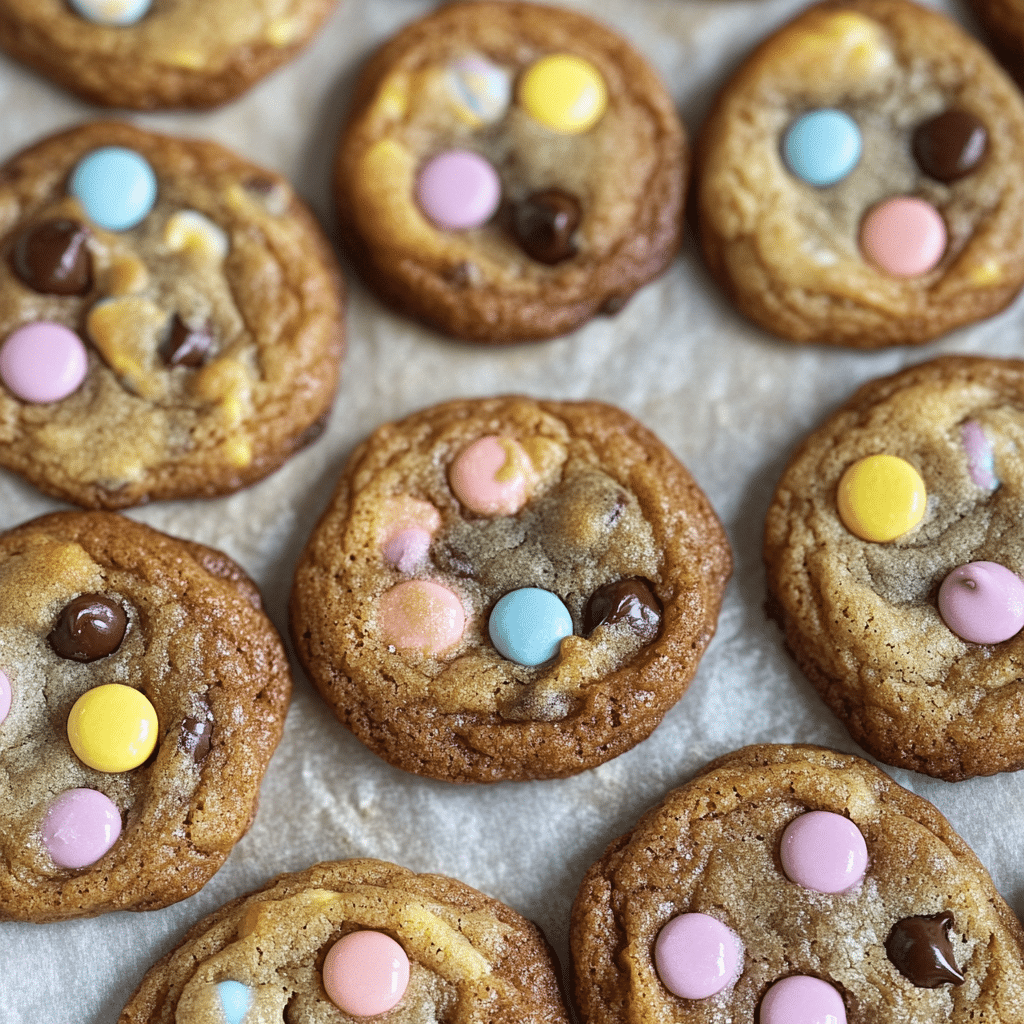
pixel 904 236
pixel 235 1000
pixel 79 827
pixel 113 728
pixel 564 93
pixel 822 146
pixel 527 626
pixel 919 948
pixel 458 190
pixel 881 497
pixel 112 12
pixel 116 187
pixel 407 549
pixel 824 852
pixel 366 973
pixel 480 90
pixel 420 615
pixel 53 258
pixel 951 145
pixel 544 224
pixel 800 999
pixel 980 457
pixel 489 477
pixel 89 627
pixel 696 956
pixel 982 602
pixel 631 600
pixel 5 696
pixel 43 362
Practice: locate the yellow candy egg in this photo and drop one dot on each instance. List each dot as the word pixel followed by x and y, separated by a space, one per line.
pixel 112 728
pixel 881 497
pixel 564 93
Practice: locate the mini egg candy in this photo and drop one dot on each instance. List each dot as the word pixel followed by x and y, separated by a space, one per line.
pixel 800 999
pixel 79 827
pixel 696 956
pixel 43 362
pixel 5 696
pixel 480 90
pixel 881 497
pixel 112 12
pixel 981 462
pixel 982 602
pixel 823 851
pixel 904 236
pixel 527 626
pixel 420 615
pixel 564 92
pixel 366 973
pixel 458 190
pixel 112 728
pixel 116 187
pixel 490 476
pixel 822 146
pixel 235 1000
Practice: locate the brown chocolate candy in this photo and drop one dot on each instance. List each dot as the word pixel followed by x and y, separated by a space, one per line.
pixel 184 346
pixel 630 600
pixel 195 737
pixel 920 949
pixel 544 223
pixel 53 258
pixel 951 145
pixel 88 628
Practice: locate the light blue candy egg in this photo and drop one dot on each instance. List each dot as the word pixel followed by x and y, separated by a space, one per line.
pixel 235 1000
pixel 822 146
pixel 116 186
pixel 106 12
pixel 528 625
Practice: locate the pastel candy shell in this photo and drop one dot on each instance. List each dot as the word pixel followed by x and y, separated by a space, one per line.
pixel 980 457
pixel 43 362
pixel 823 851
pixel 407 549
pixel 421 615
pixel 458 190
pixel 235 1000
pixel 116 187
pixel 488 477
pixel 696 956
pixel 800 999
pixel 480 90
pixel 366 973
pixel 982 602
pixel 112 12
pixel 564 93
pixel 881 497
pixel 5 696
pixel 823 146
pixel 527 626
pixel 112 728
pixel 904 236
pixel 79 827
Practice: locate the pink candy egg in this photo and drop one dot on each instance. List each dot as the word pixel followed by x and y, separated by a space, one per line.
pixel 487 477
pixel 420 615
pixel 407 548
pixel 904 236
pixel 79 827
pixel 824 852
pixel 800 999
pixel 366 973
pixel 696 956
pixel 982 602
pixel 458 190
pixel 5 695
pixel 43 362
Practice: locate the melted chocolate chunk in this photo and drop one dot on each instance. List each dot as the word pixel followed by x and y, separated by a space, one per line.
pixel 920 949
pixel 631 600
pixel 195 738
pixel 53 258
pixel 184 346
pixel 544 224
pixel 951 145
pixel 88 628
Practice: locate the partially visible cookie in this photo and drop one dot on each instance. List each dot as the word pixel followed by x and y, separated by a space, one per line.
pixel 170 318
pixel 142 693
pixel 152 54
pixel 894 548
pixel 508 588
pixel 509 170
pixel 1003 20
pixel 791 883
pixel 347 940
pixel 858 178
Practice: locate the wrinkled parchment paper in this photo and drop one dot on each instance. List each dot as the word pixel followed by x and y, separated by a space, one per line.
pixel 728 399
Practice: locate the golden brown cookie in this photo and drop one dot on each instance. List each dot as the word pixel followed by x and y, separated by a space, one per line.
pixel 151 54
pixel 858 178
pixel 1003 21
pixel 894 546
pixel 509 170
pixel 170 318
pixel 791 883
pixel 142 693
pixel 508 589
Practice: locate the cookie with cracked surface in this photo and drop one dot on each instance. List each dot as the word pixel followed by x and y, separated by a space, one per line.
pixel 858 182
pixel 509 170
pixel 142 693
pixel 154 54
pixel 508 589
pixel 893 546
pixel 733 900
pixel 346 940
pixel 170 318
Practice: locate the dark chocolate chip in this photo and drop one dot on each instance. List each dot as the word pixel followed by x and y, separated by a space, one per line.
pixel 544 224
pixel 195 738
pixel 950 145
pixel 184 346
pixel 631 600
pixel 53 258
pixel 88 628
pixel 920 949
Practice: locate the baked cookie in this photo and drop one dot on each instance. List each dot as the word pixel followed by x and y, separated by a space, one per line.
pixel 509 170
pixel 352 939
pixel 170 318
pixel 508 589
pixel 151 54
pixel 791 883
pixel 1003 21
pixel 142 692
pixel 859 178
pixel 893 547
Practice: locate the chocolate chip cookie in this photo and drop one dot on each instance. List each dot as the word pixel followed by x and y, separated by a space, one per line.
pixel 791 883
pixel 150 54
pixel 858 178
pixel 508 589
pixel 170 318
pixel 894 550
pixel 509 170
pixel 142 693
pixel 355 939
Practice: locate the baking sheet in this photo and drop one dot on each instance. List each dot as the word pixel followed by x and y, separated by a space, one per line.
pixel 727 398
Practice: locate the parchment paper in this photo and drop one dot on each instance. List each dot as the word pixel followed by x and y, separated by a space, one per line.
pixel 727 398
